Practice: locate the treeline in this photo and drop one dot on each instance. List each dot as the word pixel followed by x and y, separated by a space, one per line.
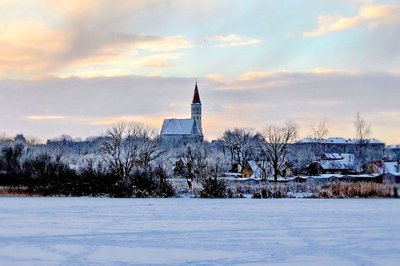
pixel 130 160
pixel 44 175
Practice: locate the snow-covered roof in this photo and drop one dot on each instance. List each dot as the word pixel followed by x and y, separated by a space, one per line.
pixel 338 140
pixel 340 161
pixel 375 141
pixel 393 147
pixel 389 167
pixel 332 156
pixel 257 172
pixel 175 126
pixel 392 167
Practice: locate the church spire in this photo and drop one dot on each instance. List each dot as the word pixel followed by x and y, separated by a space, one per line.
pixel 196 96
pixel 196 108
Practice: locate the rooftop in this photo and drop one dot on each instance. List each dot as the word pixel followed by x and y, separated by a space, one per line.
pixel 338 140
pixel 175 126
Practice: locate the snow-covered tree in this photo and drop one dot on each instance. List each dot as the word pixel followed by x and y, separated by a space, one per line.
pixel 238 144
pixel 274 144
pixel 126 146
pixel 363 131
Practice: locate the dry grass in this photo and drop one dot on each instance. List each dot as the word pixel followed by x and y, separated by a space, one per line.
pixel 312 190
pixel 270 190
pixel 357 190
pixel 17 192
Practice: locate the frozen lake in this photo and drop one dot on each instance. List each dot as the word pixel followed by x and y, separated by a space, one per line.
pixel 103 231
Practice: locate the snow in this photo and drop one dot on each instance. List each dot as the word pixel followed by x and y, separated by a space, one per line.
pixel 177 126
pixel 392 167
pixel 338 161
pixel 338 140
pixel 104 231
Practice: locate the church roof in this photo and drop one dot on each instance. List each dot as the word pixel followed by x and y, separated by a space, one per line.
pixel 196 95
pixel 175 126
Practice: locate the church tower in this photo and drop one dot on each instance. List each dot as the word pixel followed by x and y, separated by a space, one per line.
pixel 196 108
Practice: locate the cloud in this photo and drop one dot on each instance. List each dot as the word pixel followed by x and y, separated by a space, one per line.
pixel 231 40
pixel 35 51
pixel 91 105
pixel 26 48
pixel 369 15
pixel 254 75
pixel 45 117
pixel 165 44
pixel 274 75
pixel 152 121
pixel 60 36
pixel 158 60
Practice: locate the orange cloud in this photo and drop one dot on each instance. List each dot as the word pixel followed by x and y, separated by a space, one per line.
pixel 157 61
pixel 29 48
pixel 45 117
pixel 153 122
pixel 165 44
pixel 254 75
pixel 370 15
pixel 62 36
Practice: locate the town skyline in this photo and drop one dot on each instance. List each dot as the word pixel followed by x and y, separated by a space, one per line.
pixel 77 67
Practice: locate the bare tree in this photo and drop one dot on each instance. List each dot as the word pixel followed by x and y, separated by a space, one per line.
pixel 126 146
pixel 363 131
pixel 238 144
pixel 148 145
pixel 318 134
pixel 198 160
pixel 59 148
pixel 31 146
pixel 192 161
pixel 320 130
pixel 275 144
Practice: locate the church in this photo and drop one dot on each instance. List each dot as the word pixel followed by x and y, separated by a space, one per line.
pixel 177 132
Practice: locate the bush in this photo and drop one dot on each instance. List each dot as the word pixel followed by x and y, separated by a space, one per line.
pixel 272 191
pixel 143 184
pixel 213 188
pixel 151 184
pixel 95 181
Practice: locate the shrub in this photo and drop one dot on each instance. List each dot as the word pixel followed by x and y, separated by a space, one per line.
pixel 213 188
pixel 143 184
pixel 272 191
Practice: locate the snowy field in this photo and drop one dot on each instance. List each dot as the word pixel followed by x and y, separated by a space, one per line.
pixel 103 231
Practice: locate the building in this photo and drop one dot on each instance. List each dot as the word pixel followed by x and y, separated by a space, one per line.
pixel 393 152
pixel 263 169
pixel 175 132
pixel 374 149
pixel 19 140
pixel 389 170
pixel 335 163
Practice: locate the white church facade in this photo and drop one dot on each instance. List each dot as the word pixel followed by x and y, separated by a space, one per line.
pixel 182 131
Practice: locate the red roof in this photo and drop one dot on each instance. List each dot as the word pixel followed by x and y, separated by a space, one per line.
pixel 196 96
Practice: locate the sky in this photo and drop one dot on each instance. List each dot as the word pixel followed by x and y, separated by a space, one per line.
pixel 78 67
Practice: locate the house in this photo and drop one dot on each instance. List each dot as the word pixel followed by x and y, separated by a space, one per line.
pixel 260 170
pixel 393 152
pixel 335 163
pixel 175 132
pixel 252 170
pixel 389 170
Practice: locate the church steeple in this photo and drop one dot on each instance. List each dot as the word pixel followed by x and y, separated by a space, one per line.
pixel 196 96
pixel 196 108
